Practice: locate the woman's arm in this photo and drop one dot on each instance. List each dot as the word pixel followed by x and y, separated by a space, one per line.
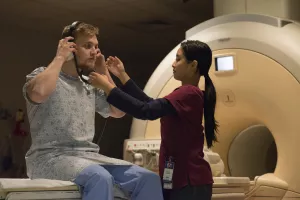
pixel 142 110
pixel 116 67
pixel 133 90
pixel 150 110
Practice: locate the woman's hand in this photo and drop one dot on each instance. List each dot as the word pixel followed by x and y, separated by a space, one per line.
pixel 100 81
pixel 115 66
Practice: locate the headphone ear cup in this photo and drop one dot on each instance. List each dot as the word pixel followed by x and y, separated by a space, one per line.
pixel 70 57
pixel 66 34
pixel 70 33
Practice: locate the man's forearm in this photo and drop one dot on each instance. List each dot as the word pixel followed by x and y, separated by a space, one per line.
pixel 41 86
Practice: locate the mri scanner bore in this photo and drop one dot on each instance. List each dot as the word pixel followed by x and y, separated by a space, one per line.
pixel 256 72
pixel 252 153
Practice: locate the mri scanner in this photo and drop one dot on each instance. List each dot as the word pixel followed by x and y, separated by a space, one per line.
pixel 256 72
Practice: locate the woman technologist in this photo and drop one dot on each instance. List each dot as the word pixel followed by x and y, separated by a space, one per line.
pixel 184 172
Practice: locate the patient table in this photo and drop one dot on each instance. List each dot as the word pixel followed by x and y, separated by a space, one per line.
pixel 225 188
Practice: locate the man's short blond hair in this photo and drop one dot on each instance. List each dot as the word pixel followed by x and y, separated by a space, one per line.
pixel 81 29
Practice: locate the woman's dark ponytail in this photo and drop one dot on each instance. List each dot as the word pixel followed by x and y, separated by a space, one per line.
pixel 199 51
pixel 210 123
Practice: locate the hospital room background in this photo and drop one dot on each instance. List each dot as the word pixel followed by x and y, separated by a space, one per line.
pixel 256 71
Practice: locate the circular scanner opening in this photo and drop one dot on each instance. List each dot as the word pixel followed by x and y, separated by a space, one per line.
pixel 252 153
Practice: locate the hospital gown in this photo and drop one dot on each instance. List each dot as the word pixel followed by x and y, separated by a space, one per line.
pixel 62 130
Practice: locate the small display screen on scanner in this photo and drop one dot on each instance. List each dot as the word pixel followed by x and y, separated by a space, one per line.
pixel 224 63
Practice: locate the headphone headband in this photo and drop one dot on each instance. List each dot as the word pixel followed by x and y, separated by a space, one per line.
pixel 71 30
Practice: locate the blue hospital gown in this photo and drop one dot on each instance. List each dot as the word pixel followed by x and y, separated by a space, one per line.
pixel 62 129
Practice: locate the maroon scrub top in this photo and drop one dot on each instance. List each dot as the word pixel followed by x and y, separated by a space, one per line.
pixel 182 138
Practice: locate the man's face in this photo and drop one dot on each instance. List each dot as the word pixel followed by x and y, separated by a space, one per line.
pixel 87 50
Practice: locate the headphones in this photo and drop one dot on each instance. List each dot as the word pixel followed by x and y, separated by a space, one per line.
pixel 68 33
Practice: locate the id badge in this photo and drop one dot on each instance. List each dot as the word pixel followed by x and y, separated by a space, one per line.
pixel 168 174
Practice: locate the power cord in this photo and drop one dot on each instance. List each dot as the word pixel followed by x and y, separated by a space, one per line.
pixel 101 134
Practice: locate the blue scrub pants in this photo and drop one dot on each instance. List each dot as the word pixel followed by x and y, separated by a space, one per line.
pixel 97 182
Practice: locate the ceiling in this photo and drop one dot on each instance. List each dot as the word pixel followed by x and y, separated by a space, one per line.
pixel 128 16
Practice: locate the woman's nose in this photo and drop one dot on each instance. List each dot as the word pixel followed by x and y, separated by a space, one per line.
pixel 173 65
